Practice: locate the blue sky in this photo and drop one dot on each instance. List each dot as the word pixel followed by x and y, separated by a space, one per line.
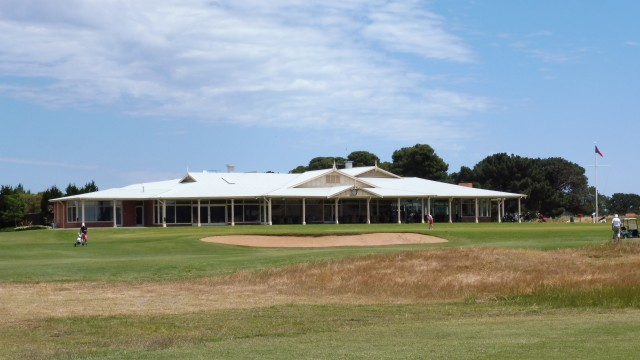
pixel 122 92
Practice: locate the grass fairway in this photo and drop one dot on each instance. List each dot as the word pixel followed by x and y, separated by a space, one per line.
pixel 494 291
pixel 175 253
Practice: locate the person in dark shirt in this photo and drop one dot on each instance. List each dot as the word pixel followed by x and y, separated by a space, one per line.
pixel 84 230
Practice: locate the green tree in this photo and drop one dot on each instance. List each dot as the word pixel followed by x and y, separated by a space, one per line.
pixel 71 190
pixel 319 163
pixel 419 161
pixel 604 202
pixel 15 203
pixel 89 187
pixel 502 172
pixel 509 173
pixel 386 166
pixel 552 185
pixel 465 175
pixel 327 162
pixel 567 186
pixel 14 210
pixel 46 210
pixel 298 170
pixel 624 203
pixel 363 158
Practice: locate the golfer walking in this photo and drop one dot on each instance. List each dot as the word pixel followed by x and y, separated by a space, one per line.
pixel 615 226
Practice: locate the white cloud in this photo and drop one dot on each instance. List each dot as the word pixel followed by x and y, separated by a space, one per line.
pixel 543 47
pixel 45 163
pixel 291 64
pixel 543 54
pixel 406 27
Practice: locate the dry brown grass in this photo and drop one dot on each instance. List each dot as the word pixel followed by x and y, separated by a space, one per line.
pixel 408 277
pixel 452 274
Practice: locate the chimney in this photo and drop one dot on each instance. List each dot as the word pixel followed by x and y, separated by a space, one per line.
pixel 348 164
pixel 231 168
pixel 466 184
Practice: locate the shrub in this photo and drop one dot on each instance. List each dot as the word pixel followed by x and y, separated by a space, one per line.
pixel 31 227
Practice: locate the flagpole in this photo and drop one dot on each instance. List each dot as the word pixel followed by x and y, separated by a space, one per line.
pixel 595 158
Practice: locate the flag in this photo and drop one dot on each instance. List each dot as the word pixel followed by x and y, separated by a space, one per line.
pixel 598 151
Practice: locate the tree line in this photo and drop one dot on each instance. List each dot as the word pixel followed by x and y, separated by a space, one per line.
pixel 553 186
pixel 21 207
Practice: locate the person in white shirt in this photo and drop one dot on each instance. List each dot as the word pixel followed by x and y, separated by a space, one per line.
pixel 615 226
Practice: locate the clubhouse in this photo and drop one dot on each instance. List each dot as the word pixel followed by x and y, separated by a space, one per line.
pixel 332 196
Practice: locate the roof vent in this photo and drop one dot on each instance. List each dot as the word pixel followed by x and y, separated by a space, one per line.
pixel 187 179
pixel 231 168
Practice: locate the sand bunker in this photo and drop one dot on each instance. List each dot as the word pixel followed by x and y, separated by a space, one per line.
pixel 375 239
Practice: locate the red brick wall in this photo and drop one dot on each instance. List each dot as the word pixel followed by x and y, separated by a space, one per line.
pixel 59 214
pixel 128 213
pixel 148 213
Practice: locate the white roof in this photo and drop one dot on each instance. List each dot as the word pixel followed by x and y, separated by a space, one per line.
pixel 373 182
pixel 428 188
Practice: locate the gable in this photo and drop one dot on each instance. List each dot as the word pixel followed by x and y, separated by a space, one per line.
pixel 377 173
pixel 328 179
pixel 187 179
pixel 370 172
pixel 332 178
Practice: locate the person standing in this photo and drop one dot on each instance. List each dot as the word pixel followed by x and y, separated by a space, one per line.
pixel 430 220
pixel 616 224
pixel 84 230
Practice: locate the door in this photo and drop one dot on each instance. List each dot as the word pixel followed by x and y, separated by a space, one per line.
pixel 218 214
pixel 329 213
pixel 139 215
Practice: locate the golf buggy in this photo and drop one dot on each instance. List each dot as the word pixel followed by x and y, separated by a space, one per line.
pixel 80 240
pixel 629 228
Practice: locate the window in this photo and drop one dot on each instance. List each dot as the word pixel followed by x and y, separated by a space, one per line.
pixel 98 211
pixel 332 179
pixel 178 212
pixel 484 208
pixel 93 211
pixel 73 214
pixel 469 207
pixel 183 212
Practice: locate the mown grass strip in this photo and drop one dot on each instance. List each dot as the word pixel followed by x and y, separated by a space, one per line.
pixel 453 331
pixel 562 297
